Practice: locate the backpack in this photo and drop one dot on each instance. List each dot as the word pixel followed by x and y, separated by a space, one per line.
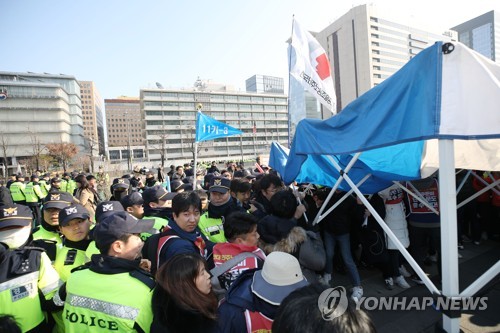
pixel 219 270
pixel 312 253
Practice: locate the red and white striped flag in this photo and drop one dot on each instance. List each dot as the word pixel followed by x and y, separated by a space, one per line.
pixel 311 67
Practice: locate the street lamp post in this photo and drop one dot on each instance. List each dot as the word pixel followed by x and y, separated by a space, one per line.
pixel 199 107
pixel 129 157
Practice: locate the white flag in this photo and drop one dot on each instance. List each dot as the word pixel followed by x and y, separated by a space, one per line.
pixel 311 67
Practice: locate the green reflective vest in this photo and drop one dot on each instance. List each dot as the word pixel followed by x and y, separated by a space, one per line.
pixel 68 258
pixel 33 193
pixel 91 250
pixel 19 296
pixel 106 302
pixel 64 185
pixel 17 191
pixel 42 233
pixel 44 187
pixel 212 228
pixel 70 186
pixel 159 224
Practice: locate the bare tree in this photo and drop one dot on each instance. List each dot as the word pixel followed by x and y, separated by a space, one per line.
pixel 188 140
pixel 46 161
pixel 36 146
pixel 4 146
pixel 160 144
pixel 81 161
pixel 63 153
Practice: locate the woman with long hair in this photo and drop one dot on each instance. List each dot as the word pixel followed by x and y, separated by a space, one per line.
pixel 85 195
pixel 183 300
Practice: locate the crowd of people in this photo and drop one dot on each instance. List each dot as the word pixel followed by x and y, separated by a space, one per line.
pixel 209 250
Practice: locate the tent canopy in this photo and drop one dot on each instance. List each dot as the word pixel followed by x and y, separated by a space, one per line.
pixel 436 95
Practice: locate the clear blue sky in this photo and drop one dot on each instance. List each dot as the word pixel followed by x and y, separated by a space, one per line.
pixel 126 45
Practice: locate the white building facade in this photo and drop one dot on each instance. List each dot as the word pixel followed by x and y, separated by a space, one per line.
pixel 170 123
pixel 39 109
pixel 365 47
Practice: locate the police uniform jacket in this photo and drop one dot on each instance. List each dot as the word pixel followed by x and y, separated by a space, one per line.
pixel 27 284
pixel 108 294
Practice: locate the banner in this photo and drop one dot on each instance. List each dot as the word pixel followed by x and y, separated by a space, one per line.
pixel 207 128
pixel 311 67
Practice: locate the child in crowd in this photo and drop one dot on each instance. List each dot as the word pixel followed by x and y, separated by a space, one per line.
pixel 241 232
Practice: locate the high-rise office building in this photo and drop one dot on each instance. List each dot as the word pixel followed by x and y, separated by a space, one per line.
pixel 39 109
pixel 365 47
pixel 482 34
pixel 170 122
pixel 125 128
pixel 93 118
pixel 265 84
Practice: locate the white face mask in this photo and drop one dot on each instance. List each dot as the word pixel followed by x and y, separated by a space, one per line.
pixel 15 238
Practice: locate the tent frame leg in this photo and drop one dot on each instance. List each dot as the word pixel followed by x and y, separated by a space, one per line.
pixel 448 215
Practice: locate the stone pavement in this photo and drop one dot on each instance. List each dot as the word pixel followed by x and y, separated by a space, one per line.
pixel 476 260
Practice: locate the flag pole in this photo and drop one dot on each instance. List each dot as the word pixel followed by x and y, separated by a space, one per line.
pixel 289 83
pixel 199 106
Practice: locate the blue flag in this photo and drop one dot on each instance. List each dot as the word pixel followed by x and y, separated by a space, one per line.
pixel 207 128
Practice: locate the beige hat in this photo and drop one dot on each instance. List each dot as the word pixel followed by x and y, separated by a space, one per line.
pixel 280 276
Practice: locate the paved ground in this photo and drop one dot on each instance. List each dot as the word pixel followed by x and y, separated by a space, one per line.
pixel 476 260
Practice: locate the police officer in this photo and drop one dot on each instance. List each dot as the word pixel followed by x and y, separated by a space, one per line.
pixel 27 279
pixel 221 204
pixel 113 292
pixel 34 196
pixel 11 180
pixel 55 185
pixel 47 235
pixel 74 225
pixel 17 190
pixel 120 188
pixel 157 205
pixel 45 184
pixel 68 184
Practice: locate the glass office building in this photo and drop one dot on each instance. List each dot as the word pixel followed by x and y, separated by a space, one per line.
pixel 481 34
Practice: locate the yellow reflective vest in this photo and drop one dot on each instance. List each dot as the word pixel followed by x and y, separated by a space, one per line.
pixel 17 191
pixel 19 295
pixel 33 193
pixel 212 228
pixel 159 224
pixel 43 233
pixel 106 302
pixel 44 187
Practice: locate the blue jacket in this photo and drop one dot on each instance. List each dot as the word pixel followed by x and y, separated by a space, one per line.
pixel 183 243
pixel 239 297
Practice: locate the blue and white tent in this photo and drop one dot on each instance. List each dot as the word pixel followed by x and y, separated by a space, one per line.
pixel 435 96
pixel 446 99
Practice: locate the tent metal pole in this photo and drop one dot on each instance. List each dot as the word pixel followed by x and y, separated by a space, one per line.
pixel 337 184
pixel 480 282
pixel 428 283
pixel 493 180
pixel 448 217
pixel 320 218
pixel 417 195
pixel 463 180
pixel 475 195
pixel 485 183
